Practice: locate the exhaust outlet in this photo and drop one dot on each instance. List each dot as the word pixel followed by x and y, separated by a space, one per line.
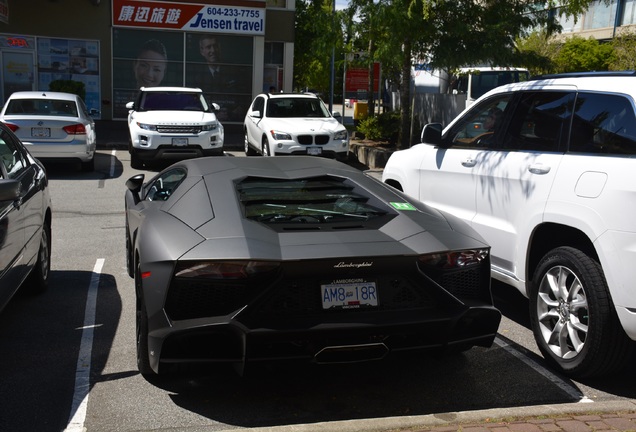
pixel 351 353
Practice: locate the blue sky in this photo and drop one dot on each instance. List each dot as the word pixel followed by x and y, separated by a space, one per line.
pixel 341 4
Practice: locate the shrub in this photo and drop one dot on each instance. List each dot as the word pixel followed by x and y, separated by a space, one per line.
pixel 385 126
pixel 69 86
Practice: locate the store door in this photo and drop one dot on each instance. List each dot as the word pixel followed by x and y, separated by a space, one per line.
pixel 17 73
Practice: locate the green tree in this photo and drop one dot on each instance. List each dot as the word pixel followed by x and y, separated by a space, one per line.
pixel 580 55
pixel 624 52
pixel 448 34
pixel 318 33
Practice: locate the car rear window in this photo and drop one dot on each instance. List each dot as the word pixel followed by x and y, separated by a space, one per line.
pixel 46 107
pixel 316 200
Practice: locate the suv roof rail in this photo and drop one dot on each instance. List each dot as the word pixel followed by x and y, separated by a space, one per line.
pixel 585 74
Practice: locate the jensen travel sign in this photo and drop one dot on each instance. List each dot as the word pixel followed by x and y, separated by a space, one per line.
pixel 245 17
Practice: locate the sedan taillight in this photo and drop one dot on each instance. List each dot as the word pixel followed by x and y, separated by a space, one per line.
pixel 12 127
pixel 75 129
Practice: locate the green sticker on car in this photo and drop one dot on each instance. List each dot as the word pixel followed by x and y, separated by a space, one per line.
pixel 402 206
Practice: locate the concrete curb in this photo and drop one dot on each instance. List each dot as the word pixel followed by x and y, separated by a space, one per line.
pixel 481 417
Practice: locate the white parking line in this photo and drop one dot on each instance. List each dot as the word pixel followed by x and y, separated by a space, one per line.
pixel 82 373
pixel 573 392
pixel 112 163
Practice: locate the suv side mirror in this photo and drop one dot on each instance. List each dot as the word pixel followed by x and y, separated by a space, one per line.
pixel 130 105
pixel 256 114
pixel 432 133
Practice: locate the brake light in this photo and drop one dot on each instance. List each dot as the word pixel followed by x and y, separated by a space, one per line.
pixel 224 269
pixel 12 127
pixel 75 129
pixel 455 259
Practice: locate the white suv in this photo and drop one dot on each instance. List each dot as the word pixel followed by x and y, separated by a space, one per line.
pixel 544 171
pixel 172 123
pixel 294 124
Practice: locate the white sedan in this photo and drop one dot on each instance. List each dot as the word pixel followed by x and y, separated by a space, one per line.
pixel 52 125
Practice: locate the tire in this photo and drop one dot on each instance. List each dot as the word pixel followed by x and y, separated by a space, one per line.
pixel 265 147
pixel 135 162
pixel 249 151
pixel 38 280
pixel 572 316
pixel 143 359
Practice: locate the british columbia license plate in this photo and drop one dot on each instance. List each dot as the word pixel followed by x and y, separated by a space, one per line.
pixel 40 132
pixel 349 294
pixel 179 141
pixel 314 151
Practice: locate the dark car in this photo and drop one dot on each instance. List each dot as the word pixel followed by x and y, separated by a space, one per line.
pixel 25 219
pixel 242 260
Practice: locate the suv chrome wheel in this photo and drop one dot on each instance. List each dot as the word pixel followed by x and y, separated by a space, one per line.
pixel 574 323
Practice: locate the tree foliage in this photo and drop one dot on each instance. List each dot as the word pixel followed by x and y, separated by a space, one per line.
pixel 318 33
pixel 580 55
pixel 446 34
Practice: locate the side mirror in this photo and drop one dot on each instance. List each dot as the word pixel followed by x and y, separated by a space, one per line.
pixel 9 190
pixel 336 114
pixel 432 133
pixel 134 184
pixel 216 106
pixel 130 105
pixel 256 114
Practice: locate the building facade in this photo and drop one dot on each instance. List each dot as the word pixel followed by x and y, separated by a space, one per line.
pixel 232 49
pixel 602 20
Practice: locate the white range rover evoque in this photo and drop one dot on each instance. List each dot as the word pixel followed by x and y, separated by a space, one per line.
pixel 172 123
pixel 544 171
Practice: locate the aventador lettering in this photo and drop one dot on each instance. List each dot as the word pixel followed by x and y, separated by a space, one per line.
pixel 342 264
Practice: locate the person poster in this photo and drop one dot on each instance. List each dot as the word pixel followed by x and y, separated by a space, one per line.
pixel 221 65
pixel 144 58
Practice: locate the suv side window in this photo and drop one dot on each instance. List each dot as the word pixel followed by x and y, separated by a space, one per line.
pixel 481 127
pixel 603 124
pixel 259 105
pixel 540 122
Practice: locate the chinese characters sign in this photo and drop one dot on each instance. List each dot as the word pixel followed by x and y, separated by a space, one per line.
pixel 245 17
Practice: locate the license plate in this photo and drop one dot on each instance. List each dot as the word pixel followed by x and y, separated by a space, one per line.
pixel 179 141
pixel 40 132
pixel 314 151
pixel 349 294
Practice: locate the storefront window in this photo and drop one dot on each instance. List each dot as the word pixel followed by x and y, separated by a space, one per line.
pixel 221 65
pixel 629 12
pixel 600 15
pixel 32 63
pixel 273 69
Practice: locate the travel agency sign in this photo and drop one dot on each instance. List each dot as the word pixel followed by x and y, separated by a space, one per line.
pixel 245 17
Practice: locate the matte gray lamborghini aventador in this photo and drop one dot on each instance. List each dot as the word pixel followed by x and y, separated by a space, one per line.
pixel 244 260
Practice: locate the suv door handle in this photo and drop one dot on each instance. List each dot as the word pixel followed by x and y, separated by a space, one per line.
pixel 539 169
pixel 468 163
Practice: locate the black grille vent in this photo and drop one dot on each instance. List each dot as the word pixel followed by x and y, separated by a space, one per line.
pixel 311 139
pixel 174 129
